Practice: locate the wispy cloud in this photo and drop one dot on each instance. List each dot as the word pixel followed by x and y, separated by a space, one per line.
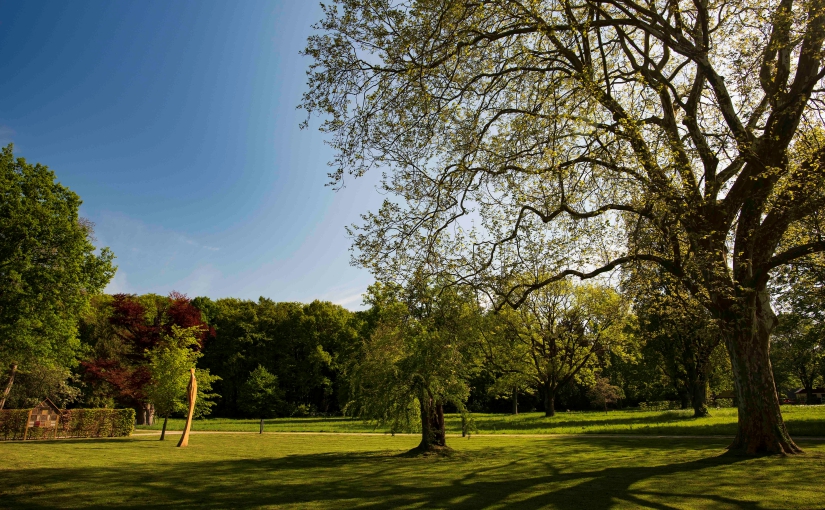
pixel 192 242
pixel 6 135
pixel 348 297
pixel 119 284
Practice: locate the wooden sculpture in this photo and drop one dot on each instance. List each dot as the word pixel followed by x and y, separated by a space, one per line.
pixel 192 394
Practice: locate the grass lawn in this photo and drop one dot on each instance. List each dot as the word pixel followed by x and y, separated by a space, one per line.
pixel 801 421
pixel 317 471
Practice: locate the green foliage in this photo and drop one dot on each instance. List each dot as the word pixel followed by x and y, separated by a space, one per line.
pixel 13 423
pixel 36 382
pixel 563 332
pixel 306 346
pixel 169 366
pixel 419 355
pixel 49 265
pixel 261 397
pixel 562 139
pixel 798 351
pixel 660 405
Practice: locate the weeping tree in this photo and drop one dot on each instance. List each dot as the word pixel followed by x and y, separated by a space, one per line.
pixel 416 361
pixel 576 131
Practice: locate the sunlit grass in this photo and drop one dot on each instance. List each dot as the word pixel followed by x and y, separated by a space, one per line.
pixel 325 471
pixel 801 421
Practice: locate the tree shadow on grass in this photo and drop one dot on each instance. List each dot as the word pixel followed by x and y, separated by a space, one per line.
pixel 479 479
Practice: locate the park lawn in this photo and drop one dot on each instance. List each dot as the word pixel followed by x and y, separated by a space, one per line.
pixel 801 421
pixel 351 471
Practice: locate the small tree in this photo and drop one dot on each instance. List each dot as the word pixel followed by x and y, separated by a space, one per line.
pixel 262 396
pixel 169 365
pixel 603 393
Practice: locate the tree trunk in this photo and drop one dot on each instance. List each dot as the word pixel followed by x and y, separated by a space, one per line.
pixel 700 396
pixel 8 386
pixel 262 426
pixel 760 428
pixel 163 430
pixel 433 434
pixel 809 395
pixel 684 396
pixel 515 400
pixel 549 401
pixel 144 414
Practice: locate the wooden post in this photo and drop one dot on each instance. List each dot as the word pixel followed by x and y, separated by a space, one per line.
pixel 8 386
pixel 192 393
pixel 28 419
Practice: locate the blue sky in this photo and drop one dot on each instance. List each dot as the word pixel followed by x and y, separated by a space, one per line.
pixel 176 124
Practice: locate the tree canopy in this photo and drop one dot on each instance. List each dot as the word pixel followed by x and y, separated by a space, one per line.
pixel 49 266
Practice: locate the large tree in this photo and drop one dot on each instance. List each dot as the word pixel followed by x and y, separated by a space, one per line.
pixel 567 330
pixel 49 266
pixel 577 132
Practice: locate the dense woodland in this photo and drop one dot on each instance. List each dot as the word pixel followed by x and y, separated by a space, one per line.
pixel 550 353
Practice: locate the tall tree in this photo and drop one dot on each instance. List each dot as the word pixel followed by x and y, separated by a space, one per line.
pixel 567 329
pixel 565 130
pixel 48 266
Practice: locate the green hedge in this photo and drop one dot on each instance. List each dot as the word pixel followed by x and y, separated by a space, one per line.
pixel 73 423
pixel 660 405
pixel 13 423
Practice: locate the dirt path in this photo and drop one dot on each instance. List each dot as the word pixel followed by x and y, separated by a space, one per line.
pixel 541 436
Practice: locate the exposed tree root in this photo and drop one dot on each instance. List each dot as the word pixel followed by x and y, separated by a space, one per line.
pixel 429 451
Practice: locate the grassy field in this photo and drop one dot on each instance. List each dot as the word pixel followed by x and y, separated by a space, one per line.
pixel 328 471
pixel 801 421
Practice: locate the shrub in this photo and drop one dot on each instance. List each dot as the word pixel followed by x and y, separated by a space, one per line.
pixel 13 423
pixel 660 405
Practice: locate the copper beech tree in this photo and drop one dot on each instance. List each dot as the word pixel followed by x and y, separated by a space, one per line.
pixel 587 135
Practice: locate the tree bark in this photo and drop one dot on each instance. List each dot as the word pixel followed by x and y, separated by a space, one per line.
pixel 684 396
pixel 262 426
pixel 432 425
pixel 700 396
pixel 760 428
pixel 515 400
pixel 163 430
pixel 144 414
pixel 549 402
pixel 809 395
pixel 8 386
